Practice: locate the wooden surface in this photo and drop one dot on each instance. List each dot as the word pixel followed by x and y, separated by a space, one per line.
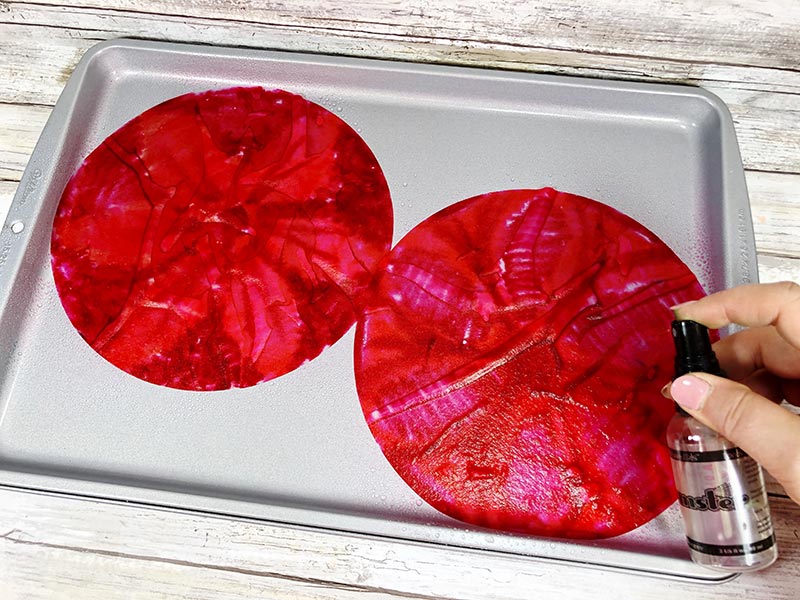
pixel 746 52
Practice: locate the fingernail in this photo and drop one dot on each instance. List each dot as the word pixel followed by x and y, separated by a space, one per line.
pixel 677 307
pixel 665 391
pixel 690 391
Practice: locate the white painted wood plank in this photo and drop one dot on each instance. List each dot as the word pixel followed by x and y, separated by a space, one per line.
pixel 41 45
pixel 767 127
pixel 773 189
pixel 20 128
pixel 36 62
pixel 772 269
pixel 775 207
pixel 518 31
pixel 7 190
pixel 754 33
pixel 80 27
pixel 754 45
pixel 35 572
pixel 68 544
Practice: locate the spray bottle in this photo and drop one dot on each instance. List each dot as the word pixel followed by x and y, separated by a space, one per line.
pixel 720 488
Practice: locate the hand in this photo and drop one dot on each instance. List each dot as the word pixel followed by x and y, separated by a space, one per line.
pixel 763 364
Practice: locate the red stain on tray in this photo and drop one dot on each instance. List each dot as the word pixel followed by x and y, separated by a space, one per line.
pixel 510 359
pixel 221 239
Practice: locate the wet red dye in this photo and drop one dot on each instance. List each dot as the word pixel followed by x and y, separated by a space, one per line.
pixel 510 360
pixel 221 239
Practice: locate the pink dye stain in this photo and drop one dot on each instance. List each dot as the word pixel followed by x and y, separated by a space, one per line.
pixel 510 358
pixel 221 239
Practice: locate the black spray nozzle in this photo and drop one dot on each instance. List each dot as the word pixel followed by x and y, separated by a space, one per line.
pixel 693 352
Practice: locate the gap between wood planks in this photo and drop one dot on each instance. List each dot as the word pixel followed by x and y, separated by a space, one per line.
pixel 604 31
pixel 311 581
pixel 751 35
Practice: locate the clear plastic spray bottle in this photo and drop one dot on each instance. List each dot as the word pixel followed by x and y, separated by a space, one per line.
pixel 720 488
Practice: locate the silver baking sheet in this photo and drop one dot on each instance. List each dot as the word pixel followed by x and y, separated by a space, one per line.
pixel 296 450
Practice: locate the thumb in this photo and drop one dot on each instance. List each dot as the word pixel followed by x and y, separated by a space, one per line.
pixel 767 432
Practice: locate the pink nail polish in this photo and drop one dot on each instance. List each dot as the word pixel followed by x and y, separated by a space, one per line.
pixel 689 391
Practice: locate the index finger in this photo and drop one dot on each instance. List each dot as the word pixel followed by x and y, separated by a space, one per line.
pixel 754 305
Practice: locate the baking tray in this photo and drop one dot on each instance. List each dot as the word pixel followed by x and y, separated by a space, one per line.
pixel 296 450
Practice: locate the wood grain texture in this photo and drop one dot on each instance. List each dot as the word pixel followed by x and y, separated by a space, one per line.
pixel 745 51
pixel 20 127
pixel 754 33
pixel 775 208
pixel 180 555
pixel 751 62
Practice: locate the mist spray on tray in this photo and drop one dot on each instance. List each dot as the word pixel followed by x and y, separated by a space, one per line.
pixel 720 488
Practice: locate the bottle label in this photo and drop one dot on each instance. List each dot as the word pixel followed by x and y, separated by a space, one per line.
pixel 733 549
pixel 723 500
pixel 713 499
pixel 708 456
